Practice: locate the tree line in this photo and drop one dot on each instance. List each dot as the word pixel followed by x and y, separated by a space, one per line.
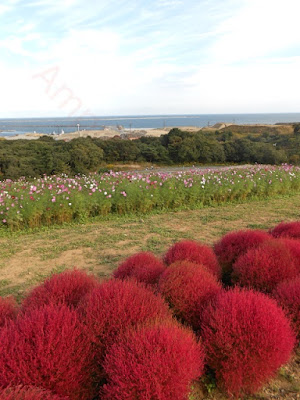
pixel 80 156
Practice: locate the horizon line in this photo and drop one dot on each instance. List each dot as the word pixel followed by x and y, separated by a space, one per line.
pixel 148 116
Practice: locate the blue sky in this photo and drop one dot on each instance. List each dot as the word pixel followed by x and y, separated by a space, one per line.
pixel 106 57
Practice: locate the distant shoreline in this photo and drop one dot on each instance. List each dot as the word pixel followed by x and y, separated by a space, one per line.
pixel 134 133
pixel 137 123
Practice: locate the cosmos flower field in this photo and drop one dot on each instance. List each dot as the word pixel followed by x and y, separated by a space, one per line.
pixel 51 200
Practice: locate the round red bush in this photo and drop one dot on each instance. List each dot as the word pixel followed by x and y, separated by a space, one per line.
pixel 234 244
pixel 264 267
pixel 8 309
pixel 47 347
pixel 68 288
pixel 154 362
pixel 294 247
pixel 187 287
pixel 287 229
pixel 144 267
pixel 287 295
pixel 247 338
pixel 28 393
pixel 115 306
pixel 188 250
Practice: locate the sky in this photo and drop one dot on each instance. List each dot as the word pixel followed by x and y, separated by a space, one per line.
pixel 138 57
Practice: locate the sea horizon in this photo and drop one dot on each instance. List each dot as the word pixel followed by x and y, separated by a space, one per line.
pixel 49 125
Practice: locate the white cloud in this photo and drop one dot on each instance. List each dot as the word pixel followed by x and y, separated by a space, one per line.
pixel 165 57
pixel 92 67
pixel 260 28
pixel 264 86
pixel 4 9
pixel 15 44
pixel 113 84
pixel 169 3
pixel 41 3
pixel 25 27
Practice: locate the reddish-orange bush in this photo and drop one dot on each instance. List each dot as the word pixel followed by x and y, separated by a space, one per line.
pixel 68 288
pixel 47 347
pixel 234 244
pixel 28 393
pixel 188 250
pixel 115 306
pixel 287 295
pixel 247 338
pixel 144 267
pixel 8 309
pixel 264 267
pixel 287 229
pixel 154 362
pixel 187 287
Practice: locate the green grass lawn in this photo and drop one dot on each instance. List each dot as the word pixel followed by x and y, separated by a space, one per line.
pixel 26 258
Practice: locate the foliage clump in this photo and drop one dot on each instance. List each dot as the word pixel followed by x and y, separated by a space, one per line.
pixel 287 229
pixel 8 309
pixel 264 267
pixel 287 294
pixel 153 362
pixel 114 307
pixel 242 144
pixel 196 252
pixel 143 266
pixel 67 288
pixel 188 287
pixel 28 393
pixel 294 247
pixel 234 244
pixel 47 347
pixel 247 338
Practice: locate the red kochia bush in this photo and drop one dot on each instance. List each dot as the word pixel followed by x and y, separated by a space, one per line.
pixel 187 287
pixel 287 295
pixel 294 247
pixel 144 267
pixel 28 393
pixel 154 362
pixel 65 288
pixel 287 229
pixel 247 338
pixel 117 305
pixel 8 309
pixel 196 252
pixel 234 244
pixel 48 348
pixel 264 267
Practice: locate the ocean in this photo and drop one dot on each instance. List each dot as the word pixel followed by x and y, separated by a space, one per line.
pixel 14 126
